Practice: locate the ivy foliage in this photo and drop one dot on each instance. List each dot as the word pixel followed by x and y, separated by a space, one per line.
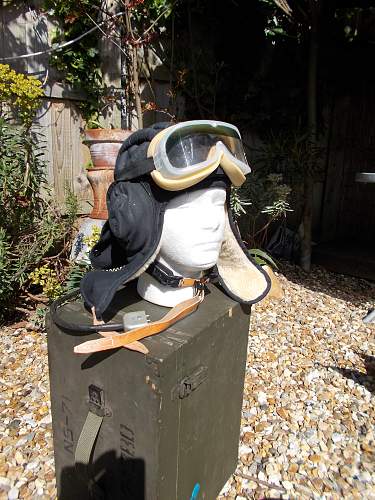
pixel 80 63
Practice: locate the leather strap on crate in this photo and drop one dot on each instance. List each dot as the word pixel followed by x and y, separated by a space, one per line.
pixel 178 312
pixel 134 346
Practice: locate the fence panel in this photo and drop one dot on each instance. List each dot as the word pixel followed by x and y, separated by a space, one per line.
pixel 24 29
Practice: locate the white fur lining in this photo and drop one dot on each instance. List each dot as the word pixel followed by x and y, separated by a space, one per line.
pixel 238 273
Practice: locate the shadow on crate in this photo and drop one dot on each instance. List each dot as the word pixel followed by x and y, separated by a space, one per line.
pixel 115 478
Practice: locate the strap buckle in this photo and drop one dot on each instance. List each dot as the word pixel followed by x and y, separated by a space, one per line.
pixel 200 285
pixel 180 283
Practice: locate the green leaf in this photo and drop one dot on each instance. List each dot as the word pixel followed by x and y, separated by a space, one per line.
pixel 265 257
pixel 92 52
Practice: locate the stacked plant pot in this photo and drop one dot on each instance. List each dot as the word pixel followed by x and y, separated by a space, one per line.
pixel 104 145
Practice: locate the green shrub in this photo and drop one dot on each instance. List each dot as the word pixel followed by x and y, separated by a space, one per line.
pixel 261 200
pixel 31 227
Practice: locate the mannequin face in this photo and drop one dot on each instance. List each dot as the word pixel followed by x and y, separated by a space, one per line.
pixel 193 230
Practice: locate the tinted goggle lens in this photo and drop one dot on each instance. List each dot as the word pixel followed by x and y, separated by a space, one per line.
pixel 186 148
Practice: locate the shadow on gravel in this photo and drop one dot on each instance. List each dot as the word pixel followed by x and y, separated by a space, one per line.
pixel 367 379
pixel 356 291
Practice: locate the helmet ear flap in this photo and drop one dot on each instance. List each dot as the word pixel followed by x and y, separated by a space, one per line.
pixel 242 279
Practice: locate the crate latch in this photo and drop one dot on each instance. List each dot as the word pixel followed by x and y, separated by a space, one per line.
pixel 188 384
pixel 97 403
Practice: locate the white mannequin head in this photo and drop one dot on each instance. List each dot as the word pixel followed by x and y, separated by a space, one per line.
pixel 193 232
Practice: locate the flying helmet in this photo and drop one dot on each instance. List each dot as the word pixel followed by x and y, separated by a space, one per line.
pixel 153 166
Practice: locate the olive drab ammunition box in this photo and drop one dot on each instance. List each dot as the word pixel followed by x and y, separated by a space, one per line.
pixel 161 426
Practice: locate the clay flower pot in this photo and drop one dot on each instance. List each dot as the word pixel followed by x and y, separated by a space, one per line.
pixel 104 145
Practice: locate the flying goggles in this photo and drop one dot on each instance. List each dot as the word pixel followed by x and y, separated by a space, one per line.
pixel 188 152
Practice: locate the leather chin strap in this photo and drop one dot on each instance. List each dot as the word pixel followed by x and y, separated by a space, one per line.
pixel 130 340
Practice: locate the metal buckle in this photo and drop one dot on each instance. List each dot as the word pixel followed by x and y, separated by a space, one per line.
pixel 200 284
pixel 180 283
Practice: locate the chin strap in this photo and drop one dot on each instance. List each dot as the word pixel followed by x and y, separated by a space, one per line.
pixel 131 339
pixel 166 277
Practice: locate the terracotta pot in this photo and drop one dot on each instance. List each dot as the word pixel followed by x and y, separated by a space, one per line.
pixel 104 145
pixel 100 179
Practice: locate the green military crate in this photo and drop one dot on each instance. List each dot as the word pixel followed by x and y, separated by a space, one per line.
pixel 170 420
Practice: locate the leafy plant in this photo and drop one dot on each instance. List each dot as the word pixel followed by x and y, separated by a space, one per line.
pixel 21 175
pixel 38 318
pixel 79 268
pixel 262 258
pixel 92 239
pixel 76 273
pixel 32 228
pixel 290 154
pixel 20 92
pixel 48 280
pixel 238 203
pixel 80 64
pixel 269 202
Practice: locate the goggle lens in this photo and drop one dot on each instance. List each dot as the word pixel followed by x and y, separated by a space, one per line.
pixel 187 149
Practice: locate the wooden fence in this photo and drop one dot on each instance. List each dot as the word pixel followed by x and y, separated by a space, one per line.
pixel 25 29
pixel 348 210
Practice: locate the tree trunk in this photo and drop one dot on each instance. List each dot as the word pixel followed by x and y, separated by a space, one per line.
pixel 110 62
pixel 305 260
pixel 134 62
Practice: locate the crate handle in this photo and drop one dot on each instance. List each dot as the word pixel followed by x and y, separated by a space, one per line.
pixel 87 438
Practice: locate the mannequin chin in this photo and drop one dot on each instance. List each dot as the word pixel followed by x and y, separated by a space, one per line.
pixel 192 235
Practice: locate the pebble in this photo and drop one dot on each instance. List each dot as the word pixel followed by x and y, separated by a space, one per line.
pixel 308 418
pixel 13 494
pixel 262 398
pixel 312 376
pixel 19 458
pixel 274 478
pixel 5 484
pixel 336 437
pixel 287 485
pixel 252 485
pixel 366 477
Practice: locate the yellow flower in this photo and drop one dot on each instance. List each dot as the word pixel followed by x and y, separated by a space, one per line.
pixel 47 279
pixel 93 238
pixel 20 91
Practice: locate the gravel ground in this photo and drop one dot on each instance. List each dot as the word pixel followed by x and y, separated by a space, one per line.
pixel 308 414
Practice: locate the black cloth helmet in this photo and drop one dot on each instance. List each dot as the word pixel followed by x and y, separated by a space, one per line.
pixel 130 238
